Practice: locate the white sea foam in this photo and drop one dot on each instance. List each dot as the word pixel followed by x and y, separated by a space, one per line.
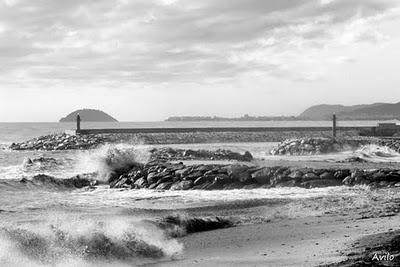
pixel 86 242
pixel 109 158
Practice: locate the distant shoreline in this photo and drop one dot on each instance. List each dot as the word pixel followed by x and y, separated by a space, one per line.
pixel 212 119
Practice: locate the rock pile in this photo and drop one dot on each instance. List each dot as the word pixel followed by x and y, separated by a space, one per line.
pixel 314 146
pixel 172 176
pixel 60 142
pixel 188 154
pixel 390 143
pixel 64 141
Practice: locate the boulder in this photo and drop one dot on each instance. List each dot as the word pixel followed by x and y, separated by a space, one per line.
pixel 141 183
pixel 152 186
pixel 279 179
pixel 309 177
pixel 262 176
pixel 193 176
pixel 152 177
pixel 235 170
pixel 182 185
pixel 164 186
pixel 297 175
pixel 247 156
pixel 327 176
pixel 320 183
pixel 119 183
pixel 378 176
pixel 348 180
pixel 222 179
pixel 183 172
pixel 341 174
pixel 168 178
pixel 204 179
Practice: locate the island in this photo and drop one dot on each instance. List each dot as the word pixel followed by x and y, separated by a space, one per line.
pixel 92 115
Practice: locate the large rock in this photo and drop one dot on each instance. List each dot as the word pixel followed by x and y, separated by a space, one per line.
pixel 183 172
pixel 183 185
pixel 280 178
pixel 141 182
pixel 310 176
pixel 164 186
pixel 204 179
pixel 327 176
pixel 320 183
pixel 262 176
pixel 297 175
pixel 341 174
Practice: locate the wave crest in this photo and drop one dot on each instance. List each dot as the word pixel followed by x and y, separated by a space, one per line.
pixel 89 241
pixel 112 159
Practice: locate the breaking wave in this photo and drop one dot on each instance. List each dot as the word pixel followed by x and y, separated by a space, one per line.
pixel 109 159
pixel 85 244
pixel 377 153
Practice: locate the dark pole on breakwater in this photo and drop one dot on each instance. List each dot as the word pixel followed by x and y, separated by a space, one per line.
pixel 78 122
pixel 334 125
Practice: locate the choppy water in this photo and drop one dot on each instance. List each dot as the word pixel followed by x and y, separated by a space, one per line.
pixel 50 225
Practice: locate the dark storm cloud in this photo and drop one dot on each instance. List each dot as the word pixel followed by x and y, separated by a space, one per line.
pixel 157 41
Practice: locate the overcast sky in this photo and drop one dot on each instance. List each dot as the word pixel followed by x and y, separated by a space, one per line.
pixel 142 60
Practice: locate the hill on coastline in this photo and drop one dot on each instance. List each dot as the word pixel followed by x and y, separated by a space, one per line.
pixel 89 115
pixel 376 111
pixel 357 112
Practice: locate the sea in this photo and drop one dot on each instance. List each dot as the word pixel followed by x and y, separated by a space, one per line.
pixel 47 224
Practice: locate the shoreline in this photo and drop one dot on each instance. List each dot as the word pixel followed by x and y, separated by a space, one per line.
pixel 323 234
pixel 309 241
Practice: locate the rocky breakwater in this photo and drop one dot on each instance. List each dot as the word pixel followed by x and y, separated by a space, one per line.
pixel 393 144
pixel 314 146
pixel 65 141
pixel 61 142
pixel 189 154
pixel 177 176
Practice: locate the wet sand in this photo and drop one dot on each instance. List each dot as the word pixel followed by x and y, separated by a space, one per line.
pixel 309 241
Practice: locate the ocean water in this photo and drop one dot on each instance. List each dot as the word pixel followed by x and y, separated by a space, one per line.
pixel 50 225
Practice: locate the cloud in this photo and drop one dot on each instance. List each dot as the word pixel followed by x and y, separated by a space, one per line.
pixel 153 41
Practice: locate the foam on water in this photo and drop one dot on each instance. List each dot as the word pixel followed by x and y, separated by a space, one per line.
pixel 109 158
pixel 63 241
pixel 369 153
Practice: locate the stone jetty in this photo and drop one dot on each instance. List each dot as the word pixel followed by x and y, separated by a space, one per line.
pixel 169 153
pixel 316 146
pixel 65 141
pixel 178 176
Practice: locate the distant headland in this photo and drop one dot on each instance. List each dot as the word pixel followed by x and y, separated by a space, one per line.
pixel 89 115
pixel 243 118
pixel 376 111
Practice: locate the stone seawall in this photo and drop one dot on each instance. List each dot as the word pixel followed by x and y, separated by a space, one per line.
pixel 316 146
pixel 66 141
pixel 172 176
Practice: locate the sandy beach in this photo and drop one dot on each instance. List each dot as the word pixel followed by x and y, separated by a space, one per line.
pixel 301 241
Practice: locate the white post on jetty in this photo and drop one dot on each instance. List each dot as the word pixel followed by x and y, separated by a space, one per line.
pixel 78 123
pixel 334 125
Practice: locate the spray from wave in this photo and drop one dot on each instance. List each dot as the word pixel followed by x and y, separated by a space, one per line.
pixel 87 242
pixel 111 160
pixel 375 153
